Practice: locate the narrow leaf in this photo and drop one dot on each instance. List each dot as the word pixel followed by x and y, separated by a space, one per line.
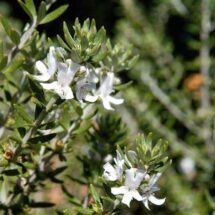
pixel 5 25
pixel 41 11
pixel 68 36
pixel 14 36
pixel 54 14
pixel 31 7
pixel 42 139
pixel 25 8
pixel 94 194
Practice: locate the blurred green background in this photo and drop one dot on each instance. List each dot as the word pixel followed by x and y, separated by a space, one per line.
pixel 173 87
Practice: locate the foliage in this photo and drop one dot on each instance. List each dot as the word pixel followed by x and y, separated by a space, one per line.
pixel 50 99
pixel 172 94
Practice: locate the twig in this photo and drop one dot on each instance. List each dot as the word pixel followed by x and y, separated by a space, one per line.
pixel 205 68
pixel 170 106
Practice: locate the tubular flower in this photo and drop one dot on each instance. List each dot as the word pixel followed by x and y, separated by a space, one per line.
pixel 47 70
pixel 149 192
pixel 113 173
pixel 133 179
pixel 105 90
pixel 66 73
pixel 86 85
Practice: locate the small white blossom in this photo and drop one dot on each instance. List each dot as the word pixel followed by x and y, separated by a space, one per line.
pixel 133 179
pixel 188 167
pixel 108 158
pixel 47 70
pixel 66 72
pixel 113 173
pixel 149 191
pixel 85 85
pixel 105 90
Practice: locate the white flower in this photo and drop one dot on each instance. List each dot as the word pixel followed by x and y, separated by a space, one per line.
pixel 47 71
pixel 133 179
pixel 108 158
pixel 105 90
pixel 66 72
pixel 187 166
pixel 149 192
pixel 114 173
pixel 85 85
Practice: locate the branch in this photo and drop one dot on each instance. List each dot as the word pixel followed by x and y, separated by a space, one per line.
pixel 170 106
pixel 205 67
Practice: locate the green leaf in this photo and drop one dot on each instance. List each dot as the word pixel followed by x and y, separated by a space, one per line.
pixel 209 199
pixel 65 118
pixel 86 25
pixel 77 107
pixel 1 50
pixel 54 14
pixel 11 172
pixel 83 128
pixel 62 43
pixel 133 61
pixel 15 64
pixel 21 116
pixel 3 62
pixel 123 86
pixel 84 211
pixel 57 171
pixel 108 203
pixel 26 9
pixel 101 35
pixel 42 139
pixel 78 180
pixel 5 25
pixel 14 36
pixel 68 36
pixel 37 91
pixel 94 194
pixel 41 11
pixel 31 7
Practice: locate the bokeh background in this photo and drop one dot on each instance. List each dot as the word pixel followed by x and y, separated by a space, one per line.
pixel 173 90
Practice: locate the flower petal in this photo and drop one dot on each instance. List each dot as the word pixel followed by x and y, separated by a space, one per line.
pixel 42 78
pixel 41 67
pixel 50 86
pixel 156 201
pixel 135 194
pixel 106 104
pixel 127 198
pixel 91 98
pixel 74 67
pixel 65 92
pixel 52 62
pixel 146 202
pixel 107 85
pixel 110 172
pixel 119 190
pixel 115 100
pixel 133 178
pixel 154 179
